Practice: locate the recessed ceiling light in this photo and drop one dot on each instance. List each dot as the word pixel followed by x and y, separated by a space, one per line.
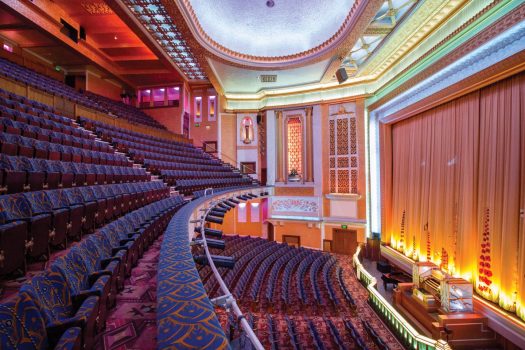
pixel 270 3
pixel 115 37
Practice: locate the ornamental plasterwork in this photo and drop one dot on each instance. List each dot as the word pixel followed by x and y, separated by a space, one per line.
pixel 154 17
pixel 96 8
pixel 396 29
pixel 426 17
pixel 232 56
pixel 384 22
pixel 294 205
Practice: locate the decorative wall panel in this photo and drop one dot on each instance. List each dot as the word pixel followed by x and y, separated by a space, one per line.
pixel 295 145
pixel 294 207
pixel 343 142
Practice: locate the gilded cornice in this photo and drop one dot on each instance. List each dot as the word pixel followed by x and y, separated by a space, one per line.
pixel 426 17
pixel 483 37
pixel 252 60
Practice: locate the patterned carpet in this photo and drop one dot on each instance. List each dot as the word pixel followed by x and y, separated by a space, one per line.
pixel 132 323
pixel 301 314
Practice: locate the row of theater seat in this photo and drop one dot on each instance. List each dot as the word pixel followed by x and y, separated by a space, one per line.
pixel 13 129
pixel 190 186
pixel 125 146
pixel 30 115
pixel 34 222
pixel 27 76
pixel 156 166
pixel 12 120
pixel 124 111
pixel 139 156
pixel 26 101
pixel 42 82
pixel 29 147
pixel 171 177
pixel 19 174
pixel 107 132
pixel 65 306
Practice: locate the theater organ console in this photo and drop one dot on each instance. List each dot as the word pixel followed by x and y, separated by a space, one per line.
pixel 437 289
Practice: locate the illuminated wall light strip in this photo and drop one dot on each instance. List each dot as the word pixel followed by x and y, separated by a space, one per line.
pixel 392 315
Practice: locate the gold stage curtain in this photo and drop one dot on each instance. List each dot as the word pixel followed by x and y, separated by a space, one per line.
pixel 460 168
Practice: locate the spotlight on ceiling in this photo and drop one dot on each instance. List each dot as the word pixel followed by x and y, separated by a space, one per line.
pixel 270 3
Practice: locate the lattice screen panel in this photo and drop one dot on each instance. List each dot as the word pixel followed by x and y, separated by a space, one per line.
pixel 344 160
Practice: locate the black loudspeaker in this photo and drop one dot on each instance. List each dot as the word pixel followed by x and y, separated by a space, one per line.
pixel 341 75
pixel 82 33
pixel 259 119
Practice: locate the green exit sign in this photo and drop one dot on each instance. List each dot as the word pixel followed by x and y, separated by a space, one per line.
pixel 197 125
pixel 344 227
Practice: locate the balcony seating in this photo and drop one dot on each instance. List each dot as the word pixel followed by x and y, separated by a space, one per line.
pixel 33 148
pixel 41 204
pixel 83 284
pixel 19 174
pixel 50 292
pixel 88 99
pixel 68 303
pixel 16 208
pixel 24 327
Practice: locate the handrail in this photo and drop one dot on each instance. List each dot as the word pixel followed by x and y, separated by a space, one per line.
pixel 398 323
pixel 206 191
pixel 188 320
pixel 227 299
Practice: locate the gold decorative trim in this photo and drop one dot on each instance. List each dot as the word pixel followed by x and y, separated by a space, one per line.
pixel 483 37
pixel 239 57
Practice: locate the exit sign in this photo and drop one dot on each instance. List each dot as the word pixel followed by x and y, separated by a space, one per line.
pixel 197 125
pixel 344 227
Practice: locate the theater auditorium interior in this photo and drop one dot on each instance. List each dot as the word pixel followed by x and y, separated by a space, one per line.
pixel 262 174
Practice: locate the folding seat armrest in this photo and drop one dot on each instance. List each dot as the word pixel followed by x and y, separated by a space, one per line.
pixel 57 328
pixel 111 265
pixel 40 217
pixel 11 225
pixel 94 279
pixel 57 212
pixel 74 206
pixel 78 299
pixel 125 241
pixel 115 250
pixel 106 262
pixel 70 340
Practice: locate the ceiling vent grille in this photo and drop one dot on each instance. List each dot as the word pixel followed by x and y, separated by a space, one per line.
pixel 268 78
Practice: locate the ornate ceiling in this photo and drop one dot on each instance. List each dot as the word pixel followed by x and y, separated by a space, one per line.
pixel 256 33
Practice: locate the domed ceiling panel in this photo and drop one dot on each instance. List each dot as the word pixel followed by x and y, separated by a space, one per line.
pixel 287 28
pixel 254 34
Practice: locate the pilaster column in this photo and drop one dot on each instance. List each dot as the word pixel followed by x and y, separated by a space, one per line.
pixel 309 145
pixel 279 146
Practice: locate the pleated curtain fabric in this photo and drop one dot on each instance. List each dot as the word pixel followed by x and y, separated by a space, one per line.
pixel 460 168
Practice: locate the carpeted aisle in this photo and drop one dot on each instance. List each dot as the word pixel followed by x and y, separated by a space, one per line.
pixel 132 323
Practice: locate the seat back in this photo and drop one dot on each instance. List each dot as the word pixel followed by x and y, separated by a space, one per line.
pixel 22 326
pixel 58 198
pixel 74 270
pixel 74 196
pixel 39 202
pixel 51 293
pixel 15 207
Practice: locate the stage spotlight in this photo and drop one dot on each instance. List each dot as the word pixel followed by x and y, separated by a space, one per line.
pixel 218 260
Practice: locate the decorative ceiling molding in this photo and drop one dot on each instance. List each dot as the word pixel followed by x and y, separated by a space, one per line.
pixel 96 8
pixel 492 47
pixel 485 36
pixel 426 17
pixel 247 60
pixel 161 26
pixel 384 22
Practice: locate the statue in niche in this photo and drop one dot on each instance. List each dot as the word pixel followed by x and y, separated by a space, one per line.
pixel 247 134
